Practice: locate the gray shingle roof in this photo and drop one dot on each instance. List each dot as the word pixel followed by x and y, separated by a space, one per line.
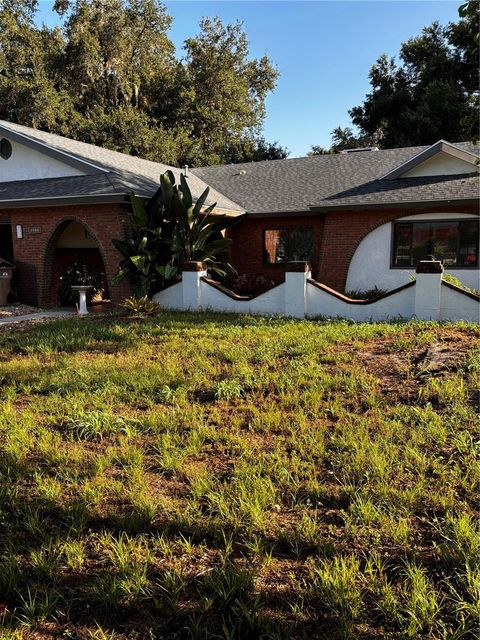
pixel 126 173
pixel 99 184
pixel 354 178
pixel 275 186
pixel 406 190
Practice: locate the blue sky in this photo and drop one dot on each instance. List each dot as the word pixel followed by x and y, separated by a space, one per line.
pixel 323 50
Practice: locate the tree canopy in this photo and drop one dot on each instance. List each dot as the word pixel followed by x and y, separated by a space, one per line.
pixel 110 75
pixel 432 94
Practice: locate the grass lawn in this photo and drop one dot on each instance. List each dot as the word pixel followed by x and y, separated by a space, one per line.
pixel 209 476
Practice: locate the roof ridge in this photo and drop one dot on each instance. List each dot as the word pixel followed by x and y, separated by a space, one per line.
pixel 328 156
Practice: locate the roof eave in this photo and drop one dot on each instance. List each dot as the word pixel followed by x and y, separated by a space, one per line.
pixel 411 204
pixel 113 198
pixel 61 200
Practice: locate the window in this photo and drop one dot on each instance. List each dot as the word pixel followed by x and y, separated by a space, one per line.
pixel 454 242
pixel 283 245
pixel 5 148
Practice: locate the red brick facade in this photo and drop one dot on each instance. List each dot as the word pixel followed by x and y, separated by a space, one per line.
pixel 336 237
pixel 247 243
pixel 34 254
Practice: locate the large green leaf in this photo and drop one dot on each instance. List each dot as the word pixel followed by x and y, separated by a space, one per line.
pixel 200 202
pixel 186 193
pixel 139 211
pixel 124 248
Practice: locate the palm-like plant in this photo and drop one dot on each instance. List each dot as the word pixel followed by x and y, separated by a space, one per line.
pixel 197 234
pixel 167 231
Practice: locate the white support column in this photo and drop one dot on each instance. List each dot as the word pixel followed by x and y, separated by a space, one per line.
pixel 191 291
pixel 296 277
pixel 428 289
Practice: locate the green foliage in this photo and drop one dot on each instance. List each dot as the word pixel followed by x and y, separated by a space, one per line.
pixel 79 273
pixel 368 294
pixel 109 76
pixel 458 283
pixel 141 306
pixel 169 230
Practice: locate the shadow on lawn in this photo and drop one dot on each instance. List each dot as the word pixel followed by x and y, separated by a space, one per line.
pixel 36 586
pixel 112 333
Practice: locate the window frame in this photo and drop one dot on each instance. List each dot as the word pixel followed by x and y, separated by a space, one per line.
pixel 399 221
pixel 288 230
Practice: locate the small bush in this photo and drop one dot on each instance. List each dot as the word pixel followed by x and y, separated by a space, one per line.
pixel 368 294
pixel 248 285
pixel 141 306
pixel 447 277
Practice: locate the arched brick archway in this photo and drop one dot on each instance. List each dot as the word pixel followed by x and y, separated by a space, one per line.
pixel 47 290
pixel 43 226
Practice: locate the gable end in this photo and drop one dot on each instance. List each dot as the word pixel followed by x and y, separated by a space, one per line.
pixel 442 158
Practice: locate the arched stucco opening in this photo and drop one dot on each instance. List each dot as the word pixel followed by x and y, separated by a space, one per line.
pixel 71 243
pixel 372 265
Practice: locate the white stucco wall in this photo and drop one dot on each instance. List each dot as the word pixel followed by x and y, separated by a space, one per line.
pixel 322 303
pixel 298 297
pixel 170 298
pixel 370 265
pixel 456 306
pixel 442 164
pixel 29 164
pixel 269 303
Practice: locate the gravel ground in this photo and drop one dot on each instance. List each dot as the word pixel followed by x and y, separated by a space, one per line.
pixel 11 310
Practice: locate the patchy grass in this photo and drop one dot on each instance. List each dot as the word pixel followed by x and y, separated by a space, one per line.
pixel 230 477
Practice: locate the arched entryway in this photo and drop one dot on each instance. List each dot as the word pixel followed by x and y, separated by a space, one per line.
pixel 72 247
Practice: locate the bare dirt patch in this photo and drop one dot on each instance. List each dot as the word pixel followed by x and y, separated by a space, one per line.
pixel 400 372
pixel 14 310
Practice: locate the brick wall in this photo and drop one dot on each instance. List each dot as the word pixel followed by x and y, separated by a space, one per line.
pixel 42 226
pixel 247 243
pixel 336 237
pixel 344 230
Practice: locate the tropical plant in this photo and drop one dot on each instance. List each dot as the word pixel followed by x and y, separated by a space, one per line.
pixel 141 306
pixel 367 294
pixel 147 252
pixel 197 234
pixel 168 230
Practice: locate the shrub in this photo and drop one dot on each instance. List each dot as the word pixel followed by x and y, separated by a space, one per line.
pixel 447 277
pixel 78 273
pixel 141 306
pixel 368 294
pixel 249 285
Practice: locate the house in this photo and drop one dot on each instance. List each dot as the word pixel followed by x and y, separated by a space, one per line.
pixel 361 218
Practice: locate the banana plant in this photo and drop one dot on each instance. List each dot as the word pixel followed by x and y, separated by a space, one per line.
pixel 197 234
pixel 168 230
